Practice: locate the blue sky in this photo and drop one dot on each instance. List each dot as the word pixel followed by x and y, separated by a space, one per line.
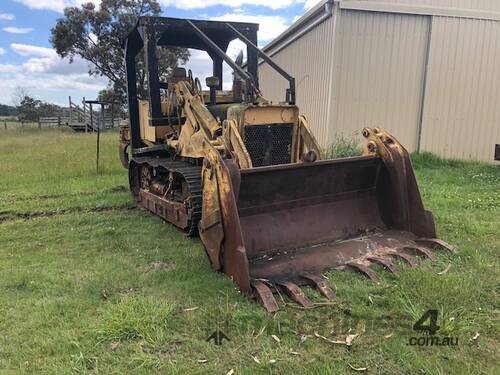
pixel 26 58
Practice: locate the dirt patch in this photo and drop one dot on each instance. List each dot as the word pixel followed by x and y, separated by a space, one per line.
pixel 157 265
pixel 116 189
pixel 108 293
pixel 164 351
pixel 114 345
pixel 9 216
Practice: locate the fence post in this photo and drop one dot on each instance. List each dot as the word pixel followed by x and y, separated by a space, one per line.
pixel 70 111
pixel 59 121
pixel 85 113
pixel 5 124
pixel 112 116
pixel 39 123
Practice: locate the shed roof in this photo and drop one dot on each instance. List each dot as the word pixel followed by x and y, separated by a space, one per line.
pixel 324 9
pixel 324 6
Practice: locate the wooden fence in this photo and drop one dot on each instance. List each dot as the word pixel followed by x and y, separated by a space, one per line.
pixel 52 121
pixel 84 118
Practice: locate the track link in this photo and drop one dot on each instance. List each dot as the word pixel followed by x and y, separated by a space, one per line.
pixel 191 173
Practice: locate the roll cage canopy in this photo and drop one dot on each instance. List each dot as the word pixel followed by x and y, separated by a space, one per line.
pixel 210 36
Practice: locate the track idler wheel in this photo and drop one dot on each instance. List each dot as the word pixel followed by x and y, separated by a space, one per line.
pixel 124 158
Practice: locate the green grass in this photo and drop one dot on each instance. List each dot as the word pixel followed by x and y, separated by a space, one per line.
pixel 91 285
pixel 343 147
pixel 11 123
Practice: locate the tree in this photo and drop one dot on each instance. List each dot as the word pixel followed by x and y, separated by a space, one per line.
pixel 96 36
pixel 28 109
pixel 7 110
pixel 31 109
pixel 19 94
pixel 107 95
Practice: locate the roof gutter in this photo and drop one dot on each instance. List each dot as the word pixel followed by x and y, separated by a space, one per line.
pixel 307 22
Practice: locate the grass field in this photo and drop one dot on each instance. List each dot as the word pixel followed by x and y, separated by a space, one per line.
pixel 9 123
pixel 90 284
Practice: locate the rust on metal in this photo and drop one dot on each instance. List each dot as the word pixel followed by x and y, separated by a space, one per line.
pixel 405 258
pixel 384 262
pixel 151 180
pixel 435 242
pixel 419 251
pixel 265 296
pixel 364 270
pixel 124 154
pixel 319 283
pixel 124 144
pixel 295 293
pixel 249 178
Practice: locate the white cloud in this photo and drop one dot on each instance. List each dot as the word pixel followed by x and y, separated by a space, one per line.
pixel 28 50
pixel 310 4
pixel 2 51
pixel 201 64
pixel 198 4
pixel 269 26
pixel 55 5
pixel 9 68
pixel 7 16
pixel 17 30
pixel 59 5
pixel 50 85
pixel 45 70
pixel 46 61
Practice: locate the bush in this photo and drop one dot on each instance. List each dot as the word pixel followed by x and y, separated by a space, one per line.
pixel 343 147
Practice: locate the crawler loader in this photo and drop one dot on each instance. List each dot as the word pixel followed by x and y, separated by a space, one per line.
pixel 248 176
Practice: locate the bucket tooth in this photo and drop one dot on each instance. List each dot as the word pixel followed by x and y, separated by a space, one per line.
pixel 365 270
pixel 295 293
pixel 320 284
pixel 435 242
pixel 265 296
pixel 405 257
pixel 384 262
pixel 419 251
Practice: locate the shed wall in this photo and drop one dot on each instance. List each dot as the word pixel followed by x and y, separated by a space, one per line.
pixel 379 74
pixel 432 81
pixel 462 103
pixel 486 5
pixel 308 60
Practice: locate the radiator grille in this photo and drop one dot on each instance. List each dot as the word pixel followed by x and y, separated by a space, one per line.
pixel 269 144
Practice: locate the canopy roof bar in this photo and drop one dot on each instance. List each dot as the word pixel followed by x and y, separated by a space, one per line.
pixel 290 93
pixel 227 59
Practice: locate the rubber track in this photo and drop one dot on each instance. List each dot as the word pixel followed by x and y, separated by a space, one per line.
pixel 192 175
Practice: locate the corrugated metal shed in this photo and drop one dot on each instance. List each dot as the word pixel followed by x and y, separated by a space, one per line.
pixel 310 67
pixel 493 5
pixel 379 73
pixel 462 102
pixel 428 71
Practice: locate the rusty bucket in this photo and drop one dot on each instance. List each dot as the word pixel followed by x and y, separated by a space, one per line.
pixel 284 225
